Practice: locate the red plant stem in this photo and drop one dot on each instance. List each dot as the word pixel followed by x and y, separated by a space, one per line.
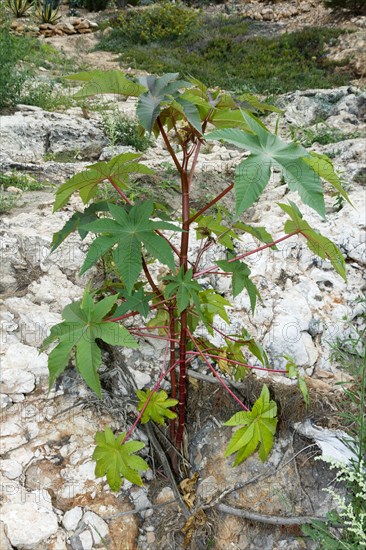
pixel 211 203
pixel 215 373
pixel 168 146
pixel 151 328
pixel 172 361
pixel 220 358
pixel 134 313
pixel 156 387
pixel 156 336
pixel 183 317
pixel 120 192
pixel 241 256
pixel 150 279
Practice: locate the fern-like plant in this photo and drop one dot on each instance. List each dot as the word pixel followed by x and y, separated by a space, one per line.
pixel 186 114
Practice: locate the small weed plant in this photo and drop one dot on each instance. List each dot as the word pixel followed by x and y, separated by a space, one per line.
pixel 180 309
pixel 121 130
pixel 346 525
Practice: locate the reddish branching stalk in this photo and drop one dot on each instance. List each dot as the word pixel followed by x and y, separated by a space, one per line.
pixel 183 317
pixel 172 361
pixel 155 388
pixel 202 355
pixel 246 254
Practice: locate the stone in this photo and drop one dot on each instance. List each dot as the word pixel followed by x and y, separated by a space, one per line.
pixel 20 373
pixel 11 468
pixel 142 379
pixel 65 27
pixel 5 543
pixel 164 496
pixel 28 136
pixel 86 540
pixel 97 526
pixel 35 516
pixel 14 190
pixel 71 518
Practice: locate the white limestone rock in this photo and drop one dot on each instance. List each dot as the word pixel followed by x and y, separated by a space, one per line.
pixel 29 521
pixel 71 518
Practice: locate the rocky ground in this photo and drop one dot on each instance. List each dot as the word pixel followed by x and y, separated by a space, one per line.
pixel 51 499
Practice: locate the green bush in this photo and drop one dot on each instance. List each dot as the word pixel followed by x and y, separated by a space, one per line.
pixel 160 23
pixel 353 6
pixel 12 78
pixel 96 5
pixel 121 130
pixel 220 51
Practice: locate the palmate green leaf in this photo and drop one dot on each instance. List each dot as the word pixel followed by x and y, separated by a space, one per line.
pixel 137 301
pixel 117 170
pixel 258 429
pixel 158 407
pixel 75 222
pixel 240 279
pixel 251 102
pixel 259 233
pixel 210 304
pixel 323 166
pixel 184 287
pixel 106 82
pixel 292 372
pixel 321 246
pixel 115 459
pixel 268 151
pixel 161 91
pixel 206 225
pixel 127 231
pixel 83 324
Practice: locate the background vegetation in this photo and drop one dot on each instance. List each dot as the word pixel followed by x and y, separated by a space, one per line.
pixel 222 50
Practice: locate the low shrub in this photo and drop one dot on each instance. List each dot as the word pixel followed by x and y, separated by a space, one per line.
pixel 12 77
pixel 95 5
pixel 219 50
pixel 352 6
pixel 121 130
pixel 162 22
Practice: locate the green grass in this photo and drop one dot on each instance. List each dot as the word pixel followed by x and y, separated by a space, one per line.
pixel 324 135
pixel 20 181
pixel 121 130
pixel 220 52
pixel 20 57
pixel 8 200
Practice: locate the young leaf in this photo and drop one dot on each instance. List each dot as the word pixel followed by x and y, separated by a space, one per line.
pixel 321 246
pixel 240 279
pixel 259 427
pixel 293 372
pixel 268 151
pixel 184 287
pixel 210 304
pixel 106 82
pixel 76 220
pixel 158 407
pixel 161 91
pixel 206 225
pixel 83 324
pixel 259 233
pixel 138 301
pixel 115 459
pixel 117 169
pixel 128 230
pixel 323 166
